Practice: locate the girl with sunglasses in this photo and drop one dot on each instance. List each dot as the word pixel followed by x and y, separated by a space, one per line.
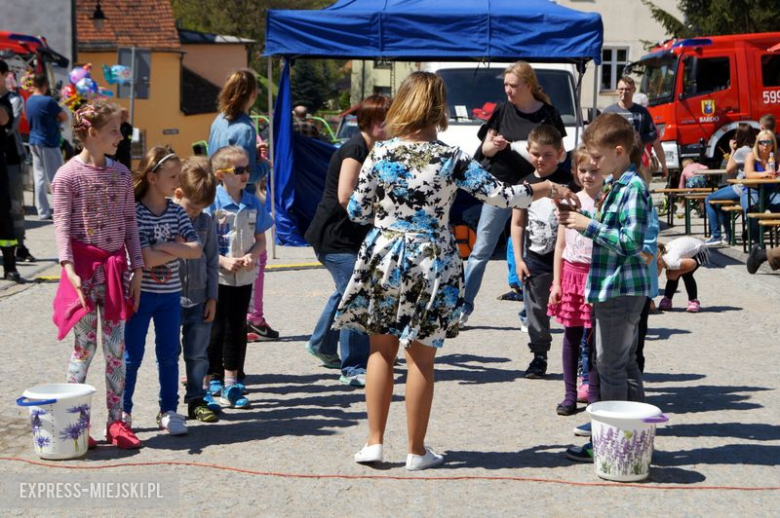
pixel 761 164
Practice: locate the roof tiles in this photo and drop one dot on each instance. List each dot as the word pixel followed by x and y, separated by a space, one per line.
pixel 140 23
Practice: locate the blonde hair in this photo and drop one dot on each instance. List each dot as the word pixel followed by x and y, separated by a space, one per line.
pixel 151 163
pixel 234 96
pixel 765 135
pixel 578 156
pixel 226 157
pixel 92 115
pixel 421 102
pixel 524 71
pixel 196 180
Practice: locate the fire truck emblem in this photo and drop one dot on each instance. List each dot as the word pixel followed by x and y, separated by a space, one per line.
pixel 708 107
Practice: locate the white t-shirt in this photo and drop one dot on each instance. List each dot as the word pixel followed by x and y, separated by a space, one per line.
pixel 681 248
pixel 579 249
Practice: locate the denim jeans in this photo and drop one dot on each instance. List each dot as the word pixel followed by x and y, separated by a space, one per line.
pixel 491 227
pixel 771 202
pixel 195 335
pixel 354 346
pixel 616 333
pixel 717 217
pixel 165 310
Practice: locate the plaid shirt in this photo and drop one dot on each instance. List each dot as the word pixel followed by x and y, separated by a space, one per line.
pixel 618 234
pixel 305 128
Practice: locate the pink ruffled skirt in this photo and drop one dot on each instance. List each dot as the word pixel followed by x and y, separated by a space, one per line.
pixel 572 310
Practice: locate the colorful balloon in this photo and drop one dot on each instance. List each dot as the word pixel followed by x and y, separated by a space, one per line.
pixel 87 88
pixel 79 73
pixel 117 74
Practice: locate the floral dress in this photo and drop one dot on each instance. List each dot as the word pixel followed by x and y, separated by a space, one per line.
pixel 408 276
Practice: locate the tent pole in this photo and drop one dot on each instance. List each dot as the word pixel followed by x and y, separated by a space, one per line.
pixel 594 110
pixel 578 102
pixel 271 175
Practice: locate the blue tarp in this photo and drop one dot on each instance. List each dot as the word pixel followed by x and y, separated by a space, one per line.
pixel 404 30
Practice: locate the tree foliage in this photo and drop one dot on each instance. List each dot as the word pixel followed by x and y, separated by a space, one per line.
pixel 716 17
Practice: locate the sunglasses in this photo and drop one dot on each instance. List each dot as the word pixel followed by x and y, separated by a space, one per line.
pixel 764 142
pixel 237 170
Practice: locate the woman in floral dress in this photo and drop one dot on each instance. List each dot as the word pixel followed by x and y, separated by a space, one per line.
pixel 407 285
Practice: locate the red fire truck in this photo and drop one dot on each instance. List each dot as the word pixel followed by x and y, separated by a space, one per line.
pixel 25 54
pixel 700 89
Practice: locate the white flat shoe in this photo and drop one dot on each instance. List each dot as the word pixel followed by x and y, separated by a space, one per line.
pixel 418 462
pixel 369 454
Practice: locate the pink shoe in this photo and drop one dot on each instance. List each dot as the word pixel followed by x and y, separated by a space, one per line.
pixel 582 393
pixel 120 435
pixel 693 306
pixel 665 304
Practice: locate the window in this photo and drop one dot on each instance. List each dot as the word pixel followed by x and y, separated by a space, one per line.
pixel 383 64
pixel 770 70
pixel 613 61
pixel 705 75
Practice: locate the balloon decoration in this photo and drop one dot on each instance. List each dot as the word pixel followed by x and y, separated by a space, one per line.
pixel 83 88
pixel 117 74
pixel 27 80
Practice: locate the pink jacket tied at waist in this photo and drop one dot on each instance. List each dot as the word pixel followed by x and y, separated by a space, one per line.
pixel 87 258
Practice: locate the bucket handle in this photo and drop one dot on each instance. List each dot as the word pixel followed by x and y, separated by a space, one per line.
pixel 21 402
pixel 658 419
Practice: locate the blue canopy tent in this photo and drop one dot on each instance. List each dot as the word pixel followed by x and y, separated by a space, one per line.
pixel 407 30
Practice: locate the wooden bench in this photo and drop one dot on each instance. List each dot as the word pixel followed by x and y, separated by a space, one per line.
pixel 672 193
pixel 734 212
pixel 771 225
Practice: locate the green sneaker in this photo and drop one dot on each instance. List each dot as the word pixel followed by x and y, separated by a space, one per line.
pixel 200 410
pixel 582 453
pixel 329 361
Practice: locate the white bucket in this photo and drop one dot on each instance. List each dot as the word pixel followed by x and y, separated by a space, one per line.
pixel 59 415
pixel 622 435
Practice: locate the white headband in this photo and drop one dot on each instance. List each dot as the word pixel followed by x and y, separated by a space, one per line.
pixel 163 159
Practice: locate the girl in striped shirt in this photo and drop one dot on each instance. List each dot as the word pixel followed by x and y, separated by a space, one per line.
pixel 166 235
pixel 96 234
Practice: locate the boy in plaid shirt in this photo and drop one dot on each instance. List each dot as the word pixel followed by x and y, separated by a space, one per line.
pixel 619 281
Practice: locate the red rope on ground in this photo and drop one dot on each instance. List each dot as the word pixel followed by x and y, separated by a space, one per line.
pixel 383 477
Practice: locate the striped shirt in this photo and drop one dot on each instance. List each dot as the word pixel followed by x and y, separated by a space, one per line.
pixel 618 234
pixel 95 206
pixel 154 229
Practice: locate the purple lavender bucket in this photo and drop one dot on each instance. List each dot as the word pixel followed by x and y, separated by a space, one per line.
pixel 622 436
pixel 59 418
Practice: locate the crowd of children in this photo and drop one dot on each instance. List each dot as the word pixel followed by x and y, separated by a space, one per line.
pixel 192 236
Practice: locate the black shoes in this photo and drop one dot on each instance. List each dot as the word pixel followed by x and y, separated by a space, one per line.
pixel 756 257
pixel 537 369
pixel 13 276
pixel 23 255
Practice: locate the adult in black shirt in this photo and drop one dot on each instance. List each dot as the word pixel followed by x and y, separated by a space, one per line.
pixel 7 237
pixel 123 150
pixel 527 107
pixel 336 241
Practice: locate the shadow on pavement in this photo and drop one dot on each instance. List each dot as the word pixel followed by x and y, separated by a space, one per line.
pixel 751 431
pixel 674 476
pixel 665 377
pixel 471 369
pixel 701 398
pixel 542 456
pixel 753 454
pixel 663 333
pixel 720 309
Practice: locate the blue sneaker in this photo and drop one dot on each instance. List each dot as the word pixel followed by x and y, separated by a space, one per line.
pixel 582 430
pixel 241 387
pixel 232 398
pixel 211 403
pixel 582 453
pixel 215 387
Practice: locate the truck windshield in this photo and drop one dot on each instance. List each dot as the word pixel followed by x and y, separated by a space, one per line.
pixel 469 89
pixel 658 79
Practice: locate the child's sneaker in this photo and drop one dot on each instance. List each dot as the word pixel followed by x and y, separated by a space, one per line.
pixel 329 361
pixel 693 306
pixel 120 435
pixel 212 403
pixel 665 304
pixel 583 430
pixel 241 387
pixel 713 241
pixel 232 398
pixel 199 409
pixel 172 422
pixel 215 387
pixel 582 453
pixel 127 419
pixel 582 393
pixel 262 332
pixel 537 368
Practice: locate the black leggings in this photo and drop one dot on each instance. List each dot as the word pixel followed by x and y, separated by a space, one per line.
pixel 690 285
pixel 640 344
pixel 227 347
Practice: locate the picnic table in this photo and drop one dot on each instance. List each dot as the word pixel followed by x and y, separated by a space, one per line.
pixel 759 184
pixel 673 193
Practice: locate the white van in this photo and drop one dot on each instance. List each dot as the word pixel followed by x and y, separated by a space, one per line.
pixel 471 85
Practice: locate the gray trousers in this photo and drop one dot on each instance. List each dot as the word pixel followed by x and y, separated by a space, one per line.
pixel 536 294
pixel 16 188
pixel 46 161
pixel 616 331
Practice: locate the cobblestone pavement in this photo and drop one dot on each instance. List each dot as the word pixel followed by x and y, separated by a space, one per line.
pixel 714 373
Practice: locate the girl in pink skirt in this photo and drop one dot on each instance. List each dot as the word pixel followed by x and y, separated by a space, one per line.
pixel 567 294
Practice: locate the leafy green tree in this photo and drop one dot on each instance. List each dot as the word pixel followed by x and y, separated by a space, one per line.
pixel 716 17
